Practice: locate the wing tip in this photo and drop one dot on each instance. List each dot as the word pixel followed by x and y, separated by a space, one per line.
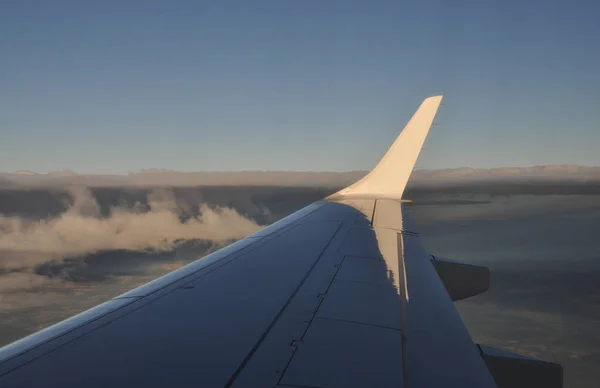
pixel 389 177
pixel 437 100
pixel 436 97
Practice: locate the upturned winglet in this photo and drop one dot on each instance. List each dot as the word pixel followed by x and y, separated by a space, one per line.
pixel 389 178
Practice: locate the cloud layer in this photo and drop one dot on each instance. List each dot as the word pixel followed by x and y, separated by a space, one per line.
pixel 82 230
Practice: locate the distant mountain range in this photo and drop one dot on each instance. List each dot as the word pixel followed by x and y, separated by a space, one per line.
pixel 550 172
pixel 162 177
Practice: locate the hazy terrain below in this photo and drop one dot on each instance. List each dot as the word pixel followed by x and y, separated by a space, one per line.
pixel 63 251
pixel 544 257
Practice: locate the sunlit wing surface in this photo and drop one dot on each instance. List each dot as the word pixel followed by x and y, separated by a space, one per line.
pixel 338 294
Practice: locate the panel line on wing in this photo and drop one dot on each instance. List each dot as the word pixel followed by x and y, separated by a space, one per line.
pixel 280 313
pixel 365 282
pixel 374 210
pixel 359 323
pixel 403 290
pixel 312 318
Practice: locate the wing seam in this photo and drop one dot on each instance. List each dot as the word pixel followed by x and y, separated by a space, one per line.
pixel 280 313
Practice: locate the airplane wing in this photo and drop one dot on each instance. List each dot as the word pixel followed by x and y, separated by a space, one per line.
pixel 338 294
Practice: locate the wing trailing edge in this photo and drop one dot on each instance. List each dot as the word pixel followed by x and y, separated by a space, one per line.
pixel 512 370
pixel 389 178
pixel 461 280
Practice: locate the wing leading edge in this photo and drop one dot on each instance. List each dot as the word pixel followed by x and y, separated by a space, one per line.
pixel 338 294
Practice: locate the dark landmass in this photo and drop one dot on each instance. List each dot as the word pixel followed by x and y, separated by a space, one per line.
pixel 280 200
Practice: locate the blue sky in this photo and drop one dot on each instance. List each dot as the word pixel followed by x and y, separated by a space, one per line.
pixel 118 86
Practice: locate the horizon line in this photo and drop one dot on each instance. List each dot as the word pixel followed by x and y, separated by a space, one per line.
pixel 155 170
